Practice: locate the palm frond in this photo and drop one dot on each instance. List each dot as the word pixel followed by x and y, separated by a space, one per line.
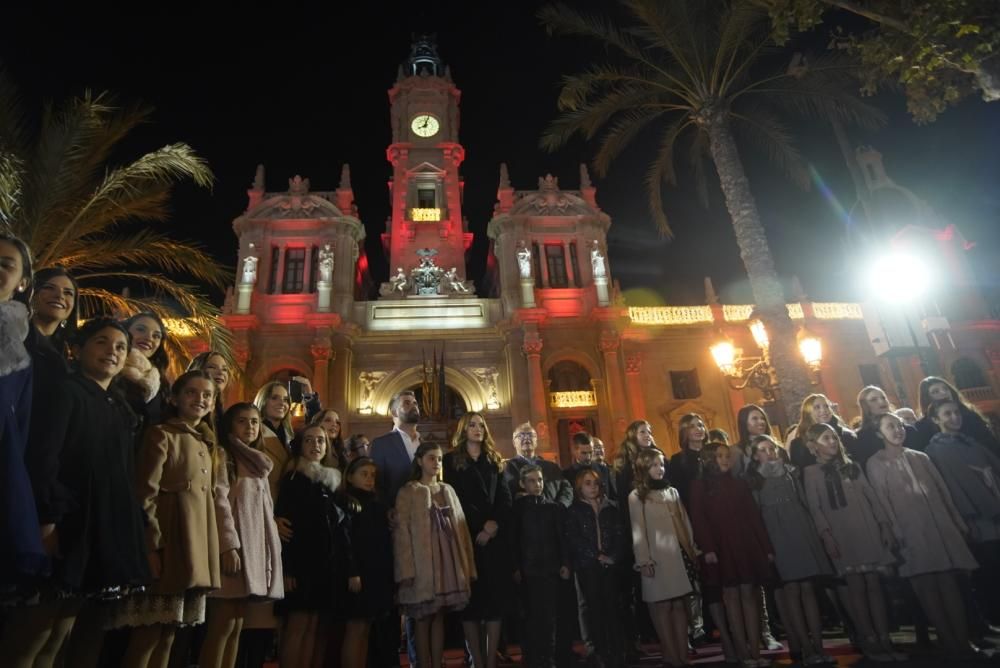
pixel 621 133
pixel 562 18
pixel 151 172
pixel 763 130
pixel 668 25
pixel 144 249
pixel 662 171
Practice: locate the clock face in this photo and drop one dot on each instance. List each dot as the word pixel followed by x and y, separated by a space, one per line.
pixel 425 125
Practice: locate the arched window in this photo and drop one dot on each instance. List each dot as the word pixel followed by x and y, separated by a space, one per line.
pixel 967 374
pixel 568 376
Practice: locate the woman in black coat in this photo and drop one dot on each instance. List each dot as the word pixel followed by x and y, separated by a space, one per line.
pixel 817 409
pixel 474 468
pixel 316 558
pixel 873 402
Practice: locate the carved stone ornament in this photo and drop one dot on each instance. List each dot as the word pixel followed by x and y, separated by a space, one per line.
pixel 610 341
pixel 532 344
pixel 597 261
pixel 367 382
pixel 549 200
pixel 487 378
pixel 633 362
pixel 321 350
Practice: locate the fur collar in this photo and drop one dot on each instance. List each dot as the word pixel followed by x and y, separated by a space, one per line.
pixel 326 476
pixel 13 330
pixel 141 372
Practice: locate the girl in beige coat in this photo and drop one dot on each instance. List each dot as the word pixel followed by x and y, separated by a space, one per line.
pixel 433 552
pixel 245 518
pixel 175 487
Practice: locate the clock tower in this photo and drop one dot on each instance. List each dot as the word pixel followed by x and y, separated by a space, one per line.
pixel 426 188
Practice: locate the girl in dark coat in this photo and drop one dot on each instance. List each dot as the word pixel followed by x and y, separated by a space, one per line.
pixel 474 469
pixel 82 472
pixel 736 550
pixel 215 365
pixel 596 544
pixel 315 560
pixel 974 425
pixel 370 576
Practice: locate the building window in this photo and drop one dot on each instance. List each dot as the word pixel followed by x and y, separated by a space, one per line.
pixel 272 280
pixel 536 260
pixel 427 197
pixel 685 385
pixel 295 265
pixel 313 268
pixel 967 374
pixel 555 262
pixel 870 375
pixel 574 262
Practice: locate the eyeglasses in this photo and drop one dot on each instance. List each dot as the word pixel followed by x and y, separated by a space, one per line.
pixel 526 436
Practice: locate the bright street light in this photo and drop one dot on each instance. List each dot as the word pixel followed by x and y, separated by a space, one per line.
pixel 898 277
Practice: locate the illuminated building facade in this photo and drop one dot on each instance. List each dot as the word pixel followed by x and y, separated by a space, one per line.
pixel 555 345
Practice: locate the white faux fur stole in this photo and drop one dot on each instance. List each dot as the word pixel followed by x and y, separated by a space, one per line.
pixel 329 477
pixel 13 329
pixel 140 371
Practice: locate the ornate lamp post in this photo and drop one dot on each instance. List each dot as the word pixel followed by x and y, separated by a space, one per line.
pixel 756 371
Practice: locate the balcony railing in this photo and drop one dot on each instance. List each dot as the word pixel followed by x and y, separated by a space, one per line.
pixel 572 399
pixel 419 215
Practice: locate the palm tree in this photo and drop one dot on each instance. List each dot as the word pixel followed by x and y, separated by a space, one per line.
pixel 698 71
pixel 60 192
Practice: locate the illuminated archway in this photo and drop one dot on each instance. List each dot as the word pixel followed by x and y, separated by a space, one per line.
pixel 465 386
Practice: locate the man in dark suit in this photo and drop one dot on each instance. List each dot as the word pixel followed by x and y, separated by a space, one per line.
pixel 526 442
pixel 583 459
pixel 393 452
pixel 393 456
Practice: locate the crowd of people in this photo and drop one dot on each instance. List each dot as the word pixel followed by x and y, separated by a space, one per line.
pixel 136 511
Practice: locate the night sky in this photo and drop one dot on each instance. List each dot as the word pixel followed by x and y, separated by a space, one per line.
pixel 303 90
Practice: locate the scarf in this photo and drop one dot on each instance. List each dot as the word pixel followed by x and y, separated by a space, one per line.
pixel 772 469
pixel 834 485
pixel 140 372
pixel 662 483
pixel 13 330
pixel 256 462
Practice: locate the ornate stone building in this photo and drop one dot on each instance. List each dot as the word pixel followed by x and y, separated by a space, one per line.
pixel 556 345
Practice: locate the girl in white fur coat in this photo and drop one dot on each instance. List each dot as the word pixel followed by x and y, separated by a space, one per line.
pixel 433 552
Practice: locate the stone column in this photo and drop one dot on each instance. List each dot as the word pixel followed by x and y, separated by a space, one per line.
pixel 601 285
pixel 323 296
pixel 528 292
pixel 532 349
pixel 609 344
pixel 244 293
pixel 606 424
pixel 636 399
pixel 322 352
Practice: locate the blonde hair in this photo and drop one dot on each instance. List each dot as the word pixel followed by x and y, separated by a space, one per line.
pixel 260 401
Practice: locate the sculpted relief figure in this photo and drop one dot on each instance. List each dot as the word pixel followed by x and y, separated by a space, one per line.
pixel 326 264
pixel 523 260
pixel 250 268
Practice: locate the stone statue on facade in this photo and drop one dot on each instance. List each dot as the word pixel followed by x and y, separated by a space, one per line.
pixel 326 264
pixel 369 380
pixel 597 261
pixel 250 267
pixel 399 282
pixel 427 277
pixel 453 283
pixel 523 260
